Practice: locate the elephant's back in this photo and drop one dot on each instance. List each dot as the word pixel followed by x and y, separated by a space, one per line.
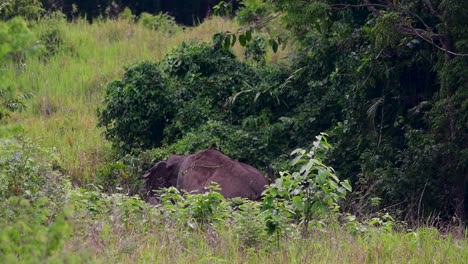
pixel 235 178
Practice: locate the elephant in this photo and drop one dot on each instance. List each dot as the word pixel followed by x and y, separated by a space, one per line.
pixel 195 172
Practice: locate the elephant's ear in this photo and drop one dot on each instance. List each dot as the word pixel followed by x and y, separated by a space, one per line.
pixel 159 168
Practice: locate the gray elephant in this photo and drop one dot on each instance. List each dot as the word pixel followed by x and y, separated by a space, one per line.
pixel 194 173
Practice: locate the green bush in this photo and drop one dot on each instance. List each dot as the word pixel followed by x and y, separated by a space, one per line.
pixel 52 36
pixel 206 98
pixel 312 191
pixel 30 171
pixel 256 49
pixel 136 108
pixel 194 210
pixel 33 203
pixel 123 175
pixel 248 223
pixel 160 22
pixel 28 9
pixel 15 40
pixel 31 232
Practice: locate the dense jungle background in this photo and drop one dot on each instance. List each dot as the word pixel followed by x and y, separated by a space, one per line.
pixel 360 107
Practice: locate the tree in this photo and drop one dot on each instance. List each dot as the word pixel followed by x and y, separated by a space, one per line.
pixel 401 68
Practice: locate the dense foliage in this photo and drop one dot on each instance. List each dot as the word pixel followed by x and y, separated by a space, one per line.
pixel 393 100
pixel 386 81
pixel 390 84
pixel 202 99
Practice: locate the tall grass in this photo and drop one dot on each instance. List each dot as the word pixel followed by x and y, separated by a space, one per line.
pixel 167 245
pixel 69 86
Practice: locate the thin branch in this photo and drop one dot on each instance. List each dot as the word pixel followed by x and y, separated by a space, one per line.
pixel 417 32
pixel 406 29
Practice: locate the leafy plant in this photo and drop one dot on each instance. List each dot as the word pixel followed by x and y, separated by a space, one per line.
pixel 256 49
pixel 312 191
pixel 195 210
pixel 52 36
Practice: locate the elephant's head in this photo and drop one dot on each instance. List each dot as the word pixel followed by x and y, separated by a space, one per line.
pixel 163 174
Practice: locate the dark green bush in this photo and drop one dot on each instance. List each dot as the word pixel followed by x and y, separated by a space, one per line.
pixel 205 98
pixel 28 9
pixel 253 11
pixel 137 108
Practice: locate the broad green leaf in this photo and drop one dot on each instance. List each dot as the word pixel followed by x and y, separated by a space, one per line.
pixel 242 40
pixel 346 185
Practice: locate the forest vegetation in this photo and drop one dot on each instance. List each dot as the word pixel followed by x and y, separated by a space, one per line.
pixel 360 107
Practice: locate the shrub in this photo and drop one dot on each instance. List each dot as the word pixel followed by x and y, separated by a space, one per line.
pixel 51 35
pixel 123 175
pixel 248 223
pixel 28 9
pixel 136 108
pixel 30 171
pixel 33 203
pixel 16 39
pixel 31 232
pixel 255 50
pixel 203 78
pixel 312 191
pixel 160 22
pixel 194 210
pixel 127 14
pixel 207 98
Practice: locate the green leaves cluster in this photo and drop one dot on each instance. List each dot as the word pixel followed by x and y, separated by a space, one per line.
pixel 195 210
pixel 312 191
pixel 227 39
pixel 33 203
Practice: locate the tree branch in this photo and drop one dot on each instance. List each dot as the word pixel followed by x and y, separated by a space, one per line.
pixel 427 35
